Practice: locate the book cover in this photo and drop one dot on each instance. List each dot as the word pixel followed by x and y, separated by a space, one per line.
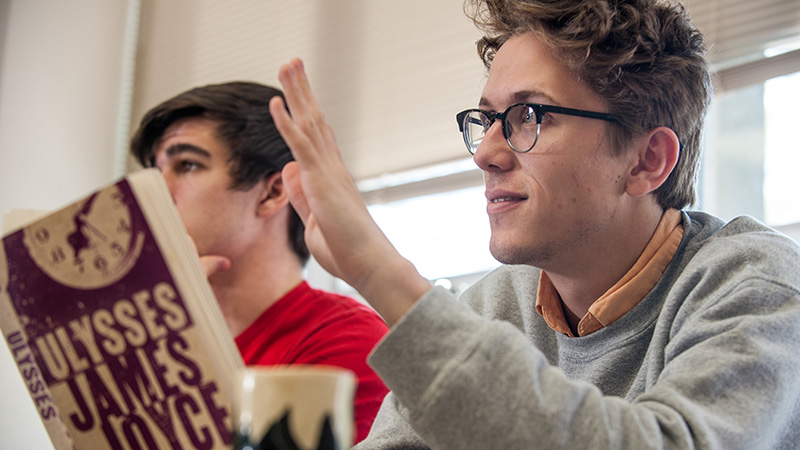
pixel 113 325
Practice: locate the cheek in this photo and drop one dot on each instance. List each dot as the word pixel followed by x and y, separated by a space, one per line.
pixel 182 202
pixel 581 183
pixel 579 191
pixel 194 196
pixel 193 207
pixel 189 217
pixel 596 179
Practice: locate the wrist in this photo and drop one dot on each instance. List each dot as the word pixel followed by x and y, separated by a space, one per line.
pixel 393 289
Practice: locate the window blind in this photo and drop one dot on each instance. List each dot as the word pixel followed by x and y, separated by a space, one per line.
pixel 391 75
pixel 750 41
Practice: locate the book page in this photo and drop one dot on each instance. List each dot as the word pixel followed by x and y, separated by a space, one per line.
pixel 17 218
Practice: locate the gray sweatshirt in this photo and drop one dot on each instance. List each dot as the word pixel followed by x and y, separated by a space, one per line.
pixel 709 359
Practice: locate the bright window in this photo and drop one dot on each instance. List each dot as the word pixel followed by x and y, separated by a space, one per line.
pixel 752 154
pixel 782 147
pixel 444 234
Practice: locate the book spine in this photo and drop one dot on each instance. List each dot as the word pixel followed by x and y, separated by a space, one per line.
pixel 17 340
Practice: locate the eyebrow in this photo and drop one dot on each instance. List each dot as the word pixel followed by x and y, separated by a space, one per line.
pixel 522 97
pixel 187 148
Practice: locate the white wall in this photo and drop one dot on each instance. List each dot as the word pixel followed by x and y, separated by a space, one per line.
pixel 60 71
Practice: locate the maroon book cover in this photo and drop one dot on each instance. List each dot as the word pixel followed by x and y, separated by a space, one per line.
pixel 101 334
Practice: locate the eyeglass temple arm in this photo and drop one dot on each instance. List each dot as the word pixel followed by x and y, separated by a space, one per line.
pixel 579 112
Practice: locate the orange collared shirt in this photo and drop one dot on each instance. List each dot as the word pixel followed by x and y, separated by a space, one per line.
pixel 627 292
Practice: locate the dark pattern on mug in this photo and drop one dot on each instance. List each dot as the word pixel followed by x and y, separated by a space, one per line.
pixel 279 437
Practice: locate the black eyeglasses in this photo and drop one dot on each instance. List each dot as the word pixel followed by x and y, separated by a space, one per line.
pixel 518 123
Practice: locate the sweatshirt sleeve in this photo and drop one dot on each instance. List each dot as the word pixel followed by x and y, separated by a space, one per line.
pixel 461 381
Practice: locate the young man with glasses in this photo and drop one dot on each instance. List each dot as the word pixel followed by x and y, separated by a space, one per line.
pixel 620 320
pixel 221 156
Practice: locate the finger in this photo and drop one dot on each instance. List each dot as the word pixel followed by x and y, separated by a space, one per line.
pixel 283 121
pixel 301 147
pixel 296 88
pixel 303 104
pixel 303 88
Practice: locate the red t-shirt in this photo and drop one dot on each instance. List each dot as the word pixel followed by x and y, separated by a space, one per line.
pixel 310 326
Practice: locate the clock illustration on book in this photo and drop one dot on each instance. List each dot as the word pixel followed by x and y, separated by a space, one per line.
pixel 94 248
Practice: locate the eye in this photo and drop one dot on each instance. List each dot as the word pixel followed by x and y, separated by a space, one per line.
pixel 186 166
pixel 529 116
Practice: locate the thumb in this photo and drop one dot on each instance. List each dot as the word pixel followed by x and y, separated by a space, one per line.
pixel 294 187
pixel 212 264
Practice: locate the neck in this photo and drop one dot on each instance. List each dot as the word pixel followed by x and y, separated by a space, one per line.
pixel 585 278
pixel 253 284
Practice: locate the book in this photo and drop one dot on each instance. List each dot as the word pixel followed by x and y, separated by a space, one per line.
pixel 114 326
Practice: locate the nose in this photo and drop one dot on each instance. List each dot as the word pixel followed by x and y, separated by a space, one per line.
pixel 494 154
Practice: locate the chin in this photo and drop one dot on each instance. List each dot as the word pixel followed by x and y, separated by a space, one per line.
pixel 515 254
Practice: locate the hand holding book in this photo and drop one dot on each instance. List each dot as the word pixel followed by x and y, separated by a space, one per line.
pixel 212 263
pixel 113 325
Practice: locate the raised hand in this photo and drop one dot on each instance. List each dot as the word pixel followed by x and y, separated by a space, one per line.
pixel 339 230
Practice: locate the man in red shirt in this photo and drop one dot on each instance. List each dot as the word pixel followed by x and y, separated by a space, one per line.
pixel 221 156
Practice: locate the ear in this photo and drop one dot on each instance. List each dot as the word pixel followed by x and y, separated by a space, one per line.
pixel 656 154
pixel 272 195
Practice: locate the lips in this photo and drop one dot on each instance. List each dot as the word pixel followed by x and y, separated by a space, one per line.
pixel 501 196
pixel 502 201
pixel 505 199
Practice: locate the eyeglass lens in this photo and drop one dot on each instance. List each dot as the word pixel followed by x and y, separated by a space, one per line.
pixel 520 127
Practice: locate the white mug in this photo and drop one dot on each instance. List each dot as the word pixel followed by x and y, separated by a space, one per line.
pixel 294 408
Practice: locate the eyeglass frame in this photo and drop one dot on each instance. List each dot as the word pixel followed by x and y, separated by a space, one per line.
pixel 538 109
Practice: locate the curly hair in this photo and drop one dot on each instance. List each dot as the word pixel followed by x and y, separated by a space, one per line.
pixel 245 125
pixel 643 57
